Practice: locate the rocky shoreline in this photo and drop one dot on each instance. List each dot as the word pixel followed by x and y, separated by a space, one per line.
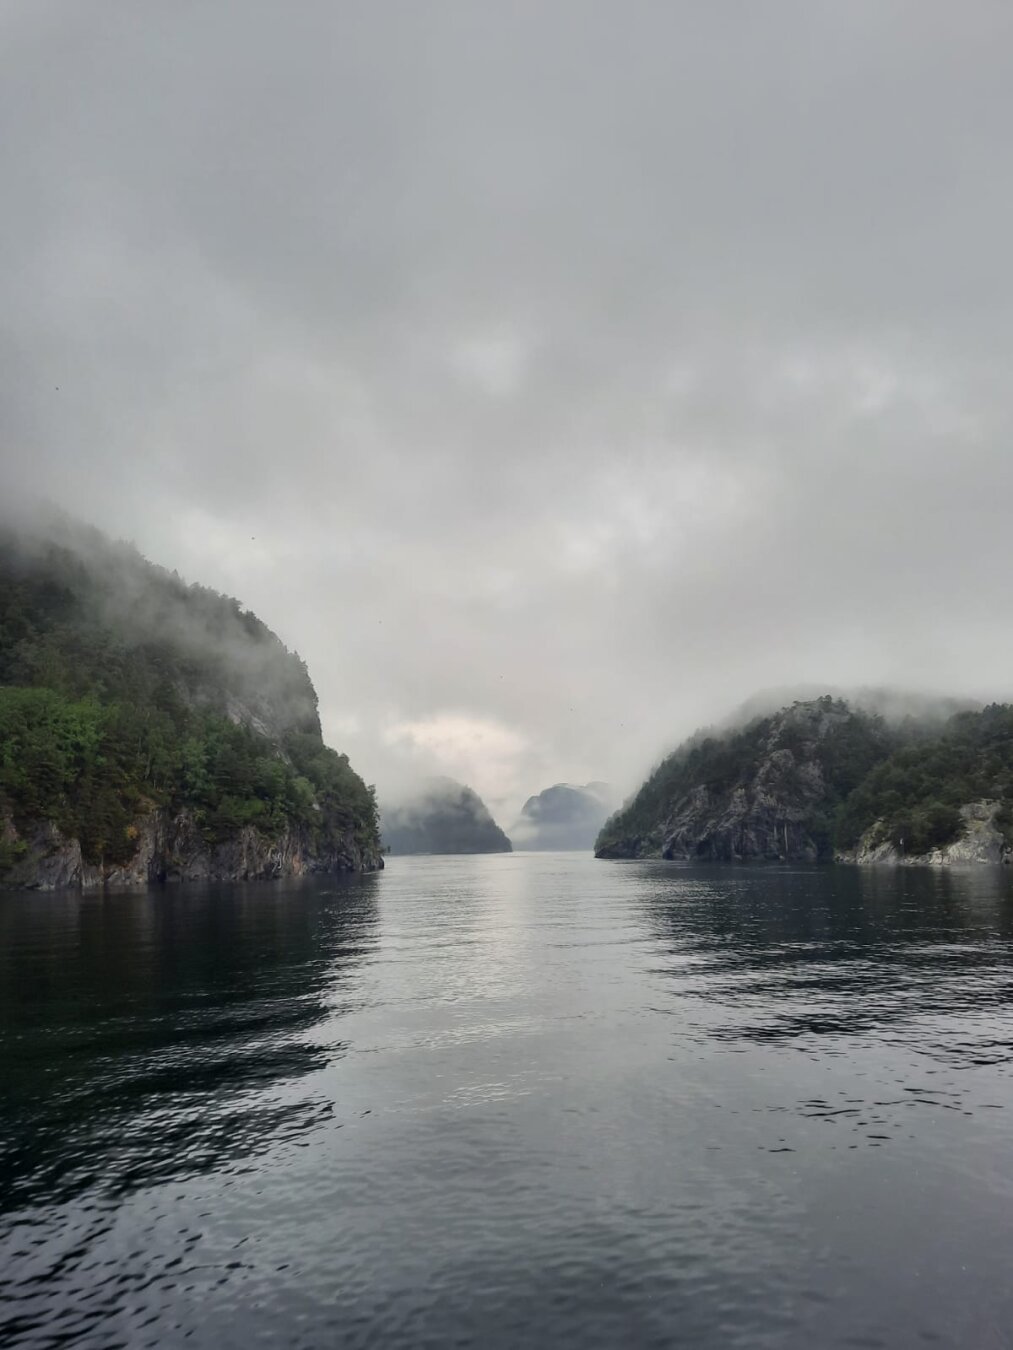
pixel 171 848
pixel 981 842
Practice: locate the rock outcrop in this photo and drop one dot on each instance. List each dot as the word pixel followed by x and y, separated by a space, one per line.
pixel 762 793
pixel 821 781
pixel 981 841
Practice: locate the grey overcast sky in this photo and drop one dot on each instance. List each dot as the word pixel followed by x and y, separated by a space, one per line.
pixel 552 375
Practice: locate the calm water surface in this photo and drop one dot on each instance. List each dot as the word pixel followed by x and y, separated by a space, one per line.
pixel 527 1100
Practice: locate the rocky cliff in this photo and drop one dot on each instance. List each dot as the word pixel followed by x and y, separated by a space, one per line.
pixel 151 730
pixel 821 780
pixel 766 791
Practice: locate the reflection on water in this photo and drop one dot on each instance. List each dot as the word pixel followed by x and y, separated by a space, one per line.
pixel 513 1100
pixel 825 955
pixel 834 963
pixel 149 1037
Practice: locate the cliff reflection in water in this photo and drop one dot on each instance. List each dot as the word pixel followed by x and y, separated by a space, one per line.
pixel 512 1099
pixel 148 1038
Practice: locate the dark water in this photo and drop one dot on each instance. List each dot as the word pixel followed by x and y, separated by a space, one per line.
pixel 509 1101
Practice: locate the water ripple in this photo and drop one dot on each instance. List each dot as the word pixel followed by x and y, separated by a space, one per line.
pixel 511 1100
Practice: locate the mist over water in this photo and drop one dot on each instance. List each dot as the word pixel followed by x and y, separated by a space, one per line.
pixel 527 1099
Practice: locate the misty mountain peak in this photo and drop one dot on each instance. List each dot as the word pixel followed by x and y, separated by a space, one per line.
pixel 440 815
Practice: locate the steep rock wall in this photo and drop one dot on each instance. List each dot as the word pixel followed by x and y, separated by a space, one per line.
pixel 761 794
pixel 170 847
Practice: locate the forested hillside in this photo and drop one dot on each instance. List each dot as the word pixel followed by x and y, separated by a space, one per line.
pixel 126 692
pixel 913 800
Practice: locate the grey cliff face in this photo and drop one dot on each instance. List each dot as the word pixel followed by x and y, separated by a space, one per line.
pixel 768 818
pixel 759 796
pixel 170 848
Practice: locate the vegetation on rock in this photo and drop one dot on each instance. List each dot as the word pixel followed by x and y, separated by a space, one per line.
pixel 819 777
pixel 124 690
pixel 913 798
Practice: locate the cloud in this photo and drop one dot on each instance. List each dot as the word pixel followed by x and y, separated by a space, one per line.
pixel 572 371
pixel 480 752
pixel 494 362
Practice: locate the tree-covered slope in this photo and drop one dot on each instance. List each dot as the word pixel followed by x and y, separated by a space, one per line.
pixel 127 696
pixel 820 779
pixel 916 800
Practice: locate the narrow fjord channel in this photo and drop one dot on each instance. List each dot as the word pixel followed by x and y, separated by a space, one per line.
pixel 510 1100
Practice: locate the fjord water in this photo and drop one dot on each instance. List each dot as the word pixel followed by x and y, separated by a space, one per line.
pixel 511 1100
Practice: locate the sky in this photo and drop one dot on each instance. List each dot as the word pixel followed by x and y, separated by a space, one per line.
pixel 551 376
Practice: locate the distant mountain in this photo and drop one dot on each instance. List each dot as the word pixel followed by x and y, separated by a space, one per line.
pixel 822 779
pixel 441 816
pixel 154 730
pixel 564 817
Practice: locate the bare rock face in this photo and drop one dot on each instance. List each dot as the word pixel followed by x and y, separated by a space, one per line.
pixel 770 817
pixel 981 841
pixel 43 858
pixel 172 848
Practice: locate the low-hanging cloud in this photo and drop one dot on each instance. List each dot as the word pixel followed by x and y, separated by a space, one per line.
pixel 570 371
